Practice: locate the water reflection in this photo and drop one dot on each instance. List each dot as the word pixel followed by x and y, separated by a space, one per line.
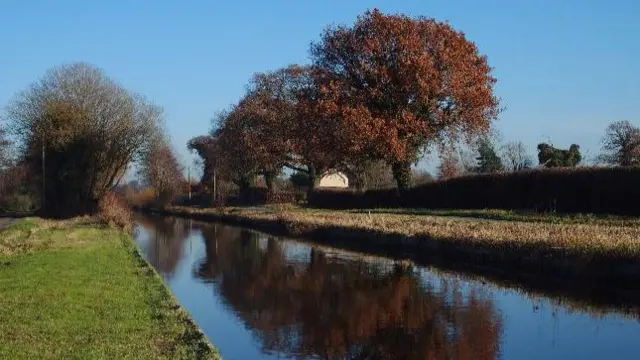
pixel 167 236
pixel 258 296
pixel 345 310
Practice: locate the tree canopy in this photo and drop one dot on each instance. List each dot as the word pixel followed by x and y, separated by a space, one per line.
pixel 551 157
pixel 515 156
pixel 88 127
pixel 621 144
pixel 398 84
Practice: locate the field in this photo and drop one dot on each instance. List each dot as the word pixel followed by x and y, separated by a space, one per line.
pixel 78 290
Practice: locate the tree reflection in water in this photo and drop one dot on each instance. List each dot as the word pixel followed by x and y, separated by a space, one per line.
pixel 167 238
pixel 345 309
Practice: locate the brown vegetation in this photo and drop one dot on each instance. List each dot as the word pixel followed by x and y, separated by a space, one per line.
pixel 113 209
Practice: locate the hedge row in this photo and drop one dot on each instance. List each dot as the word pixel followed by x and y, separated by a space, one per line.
pixel 576 190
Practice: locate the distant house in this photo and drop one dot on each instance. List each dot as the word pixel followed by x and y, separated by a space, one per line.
pixel 333 179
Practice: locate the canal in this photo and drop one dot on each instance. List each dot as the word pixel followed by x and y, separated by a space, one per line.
pixel 257 296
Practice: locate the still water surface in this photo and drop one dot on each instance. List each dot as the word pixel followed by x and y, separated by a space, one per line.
pixel 257 296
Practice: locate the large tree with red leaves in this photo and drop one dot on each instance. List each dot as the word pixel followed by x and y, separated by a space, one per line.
pixel 281 122
pixel 398 84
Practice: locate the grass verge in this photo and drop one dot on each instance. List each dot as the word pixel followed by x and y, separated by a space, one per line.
pixel 569 251
pixel 77 290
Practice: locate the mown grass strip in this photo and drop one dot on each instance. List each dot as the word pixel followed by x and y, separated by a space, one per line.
pixel 75 290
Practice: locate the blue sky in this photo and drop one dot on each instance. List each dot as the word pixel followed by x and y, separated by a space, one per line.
pixel 565 68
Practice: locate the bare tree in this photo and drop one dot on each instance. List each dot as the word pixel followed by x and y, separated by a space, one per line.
pixel 450 165
pixel 78 129
pixel 162 171
pixel 466 157
pixel 621 144
pixel 515 157
pixel 5 146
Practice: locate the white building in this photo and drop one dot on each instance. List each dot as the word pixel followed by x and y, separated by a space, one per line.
pixel 333 179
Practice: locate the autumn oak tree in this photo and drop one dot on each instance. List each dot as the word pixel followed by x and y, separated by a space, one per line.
pixel 398 84
pixel 281 122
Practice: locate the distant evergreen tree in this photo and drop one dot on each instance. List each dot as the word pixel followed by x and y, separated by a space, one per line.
pixel 488 159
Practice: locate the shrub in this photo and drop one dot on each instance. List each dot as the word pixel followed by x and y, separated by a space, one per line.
pixel 143 199
pixel 113 209
pixel 568 190
pixel 18 203
pixel 17 193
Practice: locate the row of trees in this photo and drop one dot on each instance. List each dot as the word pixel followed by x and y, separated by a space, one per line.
pixel 385 89
pixel 620 147
pixel 376 96
pixel 76 133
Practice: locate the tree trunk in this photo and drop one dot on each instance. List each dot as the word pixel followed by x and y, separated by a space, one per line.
pixel 402 174
pixel 269 179
pixel 314 178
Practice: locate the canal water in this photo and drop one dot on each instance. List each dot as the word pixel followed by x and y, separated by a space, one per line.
pixel 257 296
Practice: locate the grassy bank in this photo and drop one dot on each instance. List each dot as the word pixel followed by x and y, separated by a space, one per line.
pixel 566 249
pixel 78 290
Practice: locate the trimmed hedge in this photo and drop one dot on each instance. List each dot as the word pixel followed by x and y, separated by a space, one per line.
pixel 567 190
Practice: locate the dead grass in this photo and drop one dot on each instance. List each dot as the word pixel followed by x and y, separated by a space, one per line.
pixel 35 234
pixel 583 238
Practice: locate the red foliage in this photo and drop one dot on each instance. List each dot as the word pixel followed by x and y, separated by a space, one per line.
pixel 398 83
